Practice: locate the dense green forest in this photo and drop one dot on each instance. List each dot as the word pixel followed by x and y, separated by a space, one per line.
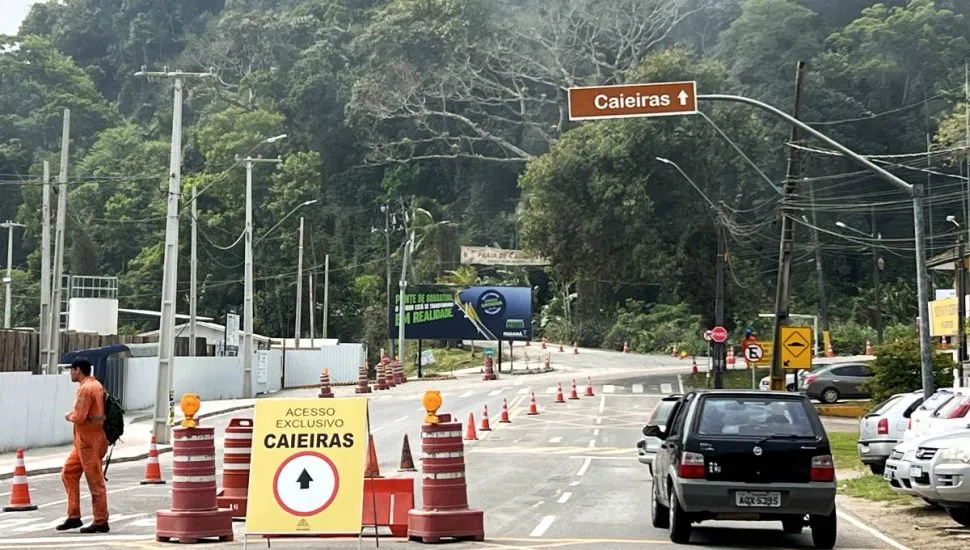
pixel 453 113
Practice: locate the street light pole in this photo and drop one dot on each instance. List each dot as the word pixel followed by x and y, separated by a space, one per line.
pixel 299 287
pixel 961 300
pixel 9 225
pixel 247 382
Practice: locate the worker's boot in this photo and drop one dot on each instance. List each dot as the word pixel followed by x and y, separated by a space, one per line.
pixel 96 528
pixel 70 523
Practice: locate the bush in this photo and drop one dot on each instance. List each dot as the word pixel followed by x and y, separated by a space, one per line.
pixel 656 329
pixel 897 369
pixel 899 331
pixel 850 338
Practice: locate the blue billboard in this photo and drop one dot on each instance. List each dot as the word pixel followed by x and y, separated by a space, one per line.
pixel 476 313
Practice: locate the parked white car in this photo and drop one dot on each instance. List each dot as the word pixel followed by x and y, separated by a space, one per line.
pixel 950 416
pixel 896 470
pixel 882 429
pixel 765 383
pixel 951 478
pixel 929 406
pixel 927 457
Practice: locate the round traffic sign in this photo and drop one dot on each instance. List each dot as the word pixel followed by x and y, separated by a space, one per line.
pixel 708 335
pixel 719 334
pixel 753 352
pixel 306 483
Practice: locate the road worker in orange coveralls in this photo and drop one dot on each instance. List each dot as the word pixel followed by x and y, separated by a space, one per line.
pixel 90 445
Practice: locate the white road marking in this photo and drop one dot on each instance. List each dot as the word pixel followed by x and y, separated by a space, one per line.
pixel 551 389
pixel 421 409
pixel 385 397
pixel 573 483
pixel 872 531
pixel 599 419
pixel 638 388
pixel 402 418
pixel 666 388
pixel 680 382
pixel 564 497
pixel 466 394
pixel 555 440
pixel 609 388
pixel 592 443
pixel 544 524
pixel 538 504
pixel 523 391
pixel 596 432
pixel 493 393
pixel 602 404
pixel 604 458
pixel 379 428
pixel 518 382
pixel 122 490
pixel 146 522
pixel 14 543
pixel 584 467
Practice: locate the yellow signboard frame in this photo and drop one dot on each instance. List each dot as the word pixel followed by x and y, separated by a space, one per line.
pixel 796 347
pixel 307 469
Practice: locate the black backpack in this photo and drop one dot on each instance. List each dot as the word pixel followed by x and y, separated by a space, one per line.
pixel 114 418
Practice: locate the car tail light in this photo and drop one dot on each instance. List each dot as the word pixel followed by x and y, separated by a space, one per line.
pixel 909 426
pixel 809 379
pixel 691 465
pixel 962 410
pixel 883 427
pixel 823 469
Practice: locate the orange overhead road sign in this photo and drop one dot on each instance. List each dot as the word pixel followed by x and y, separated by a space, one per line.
pixel 632 100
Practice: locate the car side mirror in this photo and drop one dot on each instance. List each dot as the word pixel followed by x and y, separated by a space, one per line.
pixel 654 431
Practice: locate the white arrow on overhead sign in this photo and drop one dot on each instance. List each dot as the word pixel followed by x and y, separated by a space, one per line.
pixel 683 97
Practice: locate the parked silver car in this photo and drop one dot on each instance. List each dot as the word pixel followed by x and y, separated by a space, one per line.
pixel 830 383
pixel 927 457
pixel 951 478
pixel 882 429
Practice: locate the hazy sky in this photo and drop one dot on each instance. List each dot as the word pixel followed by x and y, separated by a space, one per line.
pixel 12 13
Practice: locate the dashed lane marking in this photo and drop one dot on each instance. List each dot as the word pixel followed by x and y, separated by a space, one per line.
pixel 466 394
pixel 666 388
pixel 555 440
pixel 569 450
pixel 544 524
pixel 638 388
pixel 602 404
pixel 680 383
pixel 493 393
pixel 609 388
pixel 584 467
pixel 80 540
pixel 563 498
pixel 523 391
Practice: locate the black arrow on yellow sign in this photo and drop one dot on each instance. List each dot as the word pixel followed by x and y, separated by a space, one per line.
pixel 304 479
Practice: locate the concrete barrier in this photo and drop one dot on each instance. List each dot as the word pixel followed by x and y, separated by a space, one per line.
pixel 844 410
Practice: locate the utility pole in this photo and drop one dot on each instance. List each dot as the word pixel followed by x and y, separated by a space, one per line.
pixel 299 286
pixel 783 289
pixel 193 272
pixel 877 291
pixel 313 313
pixel 326 293
pixel 45 269
pixel 961 306
pixel 403 287
pixel 718 347
pixel 164 391
pixel 823 308
pixel 248 348
pixel 386 209
pixel 8 297
pixel 54 323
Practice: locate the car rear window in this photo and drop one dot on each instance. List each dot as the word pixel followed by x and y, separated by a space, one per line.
pixel 937 399
pixel 754 416
pixel 884 406
pixel 954 408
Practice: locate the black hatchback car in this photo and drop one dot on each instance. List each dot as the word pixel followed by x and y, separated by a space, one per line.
pixel 744 455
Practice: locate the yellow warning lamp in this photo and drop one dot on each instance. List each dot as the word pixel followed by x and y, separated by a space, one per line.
pixel 431 402
pixel 326 372
pixel 190 406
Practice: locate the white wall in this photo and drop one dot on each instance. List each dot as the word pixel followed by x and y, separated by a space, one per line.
pixel 303 367
pixel 32 410
pixel 212 378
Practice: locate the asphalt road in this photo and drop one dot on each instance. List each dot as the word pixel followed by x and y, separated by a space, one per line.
pixel 567 478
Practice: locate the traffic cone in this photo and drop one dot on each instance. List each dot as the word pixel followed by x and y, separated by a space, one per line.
pixel 325 390
pixel 486 427
pixel 830 352
pixel 470 434
pixel 674 352
pixel 626 347
pixel 559 397
pixel 589 387
pixel 533 408
pixel 575 348
pixel 372 467
pixel 547 363
pixel 153 472
pixel 693 364
pixel 544 341
pixel 560 347
pixel 407 461
pixel 504 418
pixel 868 347
pixel 572 392
pixel 20 494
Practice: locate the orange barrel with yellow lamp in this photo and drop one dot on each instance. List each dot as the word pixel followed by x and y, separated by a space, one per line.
pixel 195 513
pixel 444 513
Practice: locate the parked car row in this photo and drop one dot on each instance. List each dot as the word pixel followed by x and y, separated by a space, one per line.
pixel 740 455
pixel 922 447
pixel 829 382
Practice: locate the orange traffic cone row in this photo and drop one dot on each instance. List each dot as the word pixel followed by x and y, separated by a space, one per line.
pixel 372 468
pixel 559 397
pixel 20 490
pixel 407 461
pixel 153 472
pixel 533 408
pixel 572 392
pixel 470 434
pixel 589 387
pixel 504 418
pixel 486 427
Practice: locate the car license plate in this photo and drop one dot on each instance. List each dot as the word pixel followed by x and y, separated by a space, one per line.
pixel 757 499
pixel 915 471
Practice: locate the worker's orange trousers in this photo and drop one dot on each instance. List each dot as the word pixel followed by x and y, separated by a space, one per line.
pixel 85 458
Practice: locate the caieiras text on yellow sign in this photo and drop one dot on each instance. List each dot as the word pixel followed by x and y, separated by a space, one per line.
pixel 307 469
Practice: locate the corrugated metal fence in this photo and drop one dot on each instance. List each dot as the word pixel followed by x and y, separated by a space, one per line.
pixel 303 366
pixel 32 408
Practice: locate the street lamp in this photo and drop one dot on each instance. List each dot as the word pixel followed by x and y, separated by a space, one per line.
pixel 248 284
pixel 877 266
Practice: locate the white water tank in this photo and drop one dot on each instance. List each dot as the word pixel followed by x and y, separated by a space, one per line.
pixel 98 315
